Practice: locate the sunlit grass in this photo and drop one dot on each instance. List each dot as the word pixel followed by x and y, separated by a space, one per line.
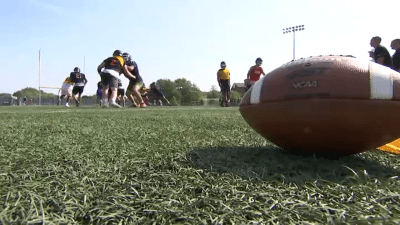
pixel 171 165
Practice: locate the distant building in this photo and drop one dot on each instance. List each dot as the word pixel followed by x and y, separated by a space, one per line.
pixel 204 94
pixel 239 87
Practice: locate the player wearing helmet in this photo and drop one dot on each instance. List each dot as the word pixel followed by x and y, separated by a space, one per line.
pixel 126 56
pixel 157 94
pixel 110 70
pixel 132 91
pixel 66 90
pixel 254 74
pixel 80 81
pixel 223 77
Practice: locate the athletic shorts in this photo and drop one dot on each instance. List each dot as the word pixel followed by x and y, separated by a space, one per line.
pixel 225 86
pixel 65 92
pixel 108 80
pixel 121 92
pixel 133 83
pixel 77 89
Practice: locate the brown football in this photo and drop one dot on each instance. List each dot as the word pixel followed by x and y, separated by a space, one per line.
pixel 326 104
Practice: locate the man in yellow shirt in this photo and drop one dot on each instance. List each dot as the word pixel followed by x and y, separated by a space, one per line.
pixel 223 77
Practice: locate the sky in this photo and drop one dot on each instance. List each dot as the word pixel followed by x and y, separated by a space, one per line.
pixel 180 38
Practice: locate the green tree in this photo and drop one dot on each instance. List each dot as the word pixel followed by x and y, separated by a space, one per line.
pixel 235 96
pixel 173 101
pixel 4 95
pixel 189 92
pixel 32 93
pixel 169 90
pixel 214 93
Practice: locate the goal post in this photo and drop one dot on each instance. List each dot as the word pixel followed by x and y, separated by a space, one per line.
pixel 40 103
pixel 44 87
pixel 58 94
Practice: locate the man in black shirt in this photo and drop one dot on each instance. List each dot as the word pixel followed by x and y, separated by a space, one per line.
pixel 396 56
pixel 381 54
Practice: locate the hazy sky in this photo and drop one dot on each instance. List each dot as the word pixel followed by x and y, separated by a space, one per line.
pixel 180 38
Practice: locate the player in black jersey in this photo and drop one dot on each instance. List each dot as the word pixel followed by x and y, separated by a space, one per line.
pixel 134 84
pixel 80 81
pixel 110 70
pixel 157 94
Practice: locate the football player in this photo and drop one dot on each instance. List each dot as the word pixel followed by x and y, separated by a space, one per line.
pixel 144 92
pixel 99 93
pixel 120 94
pixel 110 70
pixel 254 74
pixel 134 84
pixel 80 81
pixel 157 94
pixel 223 77
pixel 66 90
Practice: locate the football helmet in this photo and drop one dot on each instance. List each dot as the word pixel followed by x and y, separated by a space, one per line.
pixel 117 53
pixel 126 56
pixel 223 65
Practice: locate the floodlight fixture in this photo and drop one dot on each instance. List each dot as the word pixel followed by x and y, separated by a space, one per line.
pixel 293 29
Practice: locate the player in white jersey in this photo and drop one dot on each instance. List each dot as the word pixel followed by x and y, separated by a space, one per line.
pixel 66 90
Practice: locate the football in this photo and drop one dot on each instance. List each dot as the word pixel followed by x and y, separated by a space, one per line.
pixel 326 104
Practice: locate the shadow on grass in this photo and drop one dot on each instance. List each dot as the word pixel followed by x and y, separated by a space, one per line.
pixel 272 163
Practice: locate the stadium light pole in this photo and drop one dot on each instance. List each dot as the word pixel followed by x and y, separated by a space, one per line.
pixel 293 29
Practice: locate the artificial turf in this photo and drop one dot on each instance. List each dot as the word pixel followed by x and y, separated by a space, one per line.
pixel 177 165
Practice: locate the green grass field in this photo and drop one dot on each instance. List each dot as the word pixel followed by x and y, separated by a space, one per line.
pixel 177 165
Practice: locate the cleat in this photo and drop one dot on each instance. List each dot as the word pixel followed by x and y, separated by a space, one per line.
pixel 115 105
pixel 66 104
pixel 77 103
pixel 143 105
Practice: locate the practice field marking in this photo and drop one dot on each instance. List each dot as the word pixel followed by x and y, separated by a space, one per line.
pixel 61 111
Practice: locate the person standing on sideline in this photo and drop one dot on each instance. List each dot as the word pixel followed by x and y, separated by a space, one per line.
pixel 254 74
pixel 396 56
pixel 80 81
pixel 223 77
pixel 381 54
